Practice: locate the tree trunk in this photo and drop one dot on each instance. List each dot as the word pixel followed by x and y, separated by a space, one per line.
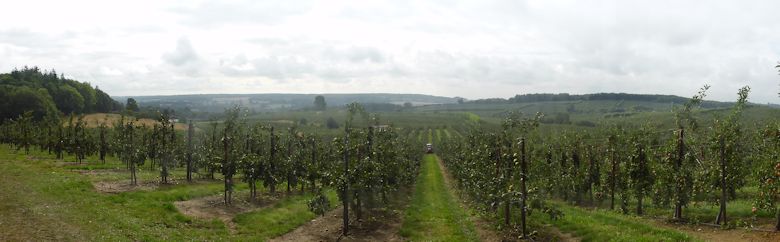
pixel 345 197
pixel 777 223
pixel 507 203
pixel 132 174
pixel 523 189
pixel 271 160
pixel 190 133
pixel 613 181
pixel 678 165
pixel 639 205
pixel 723 188
pixel 642 168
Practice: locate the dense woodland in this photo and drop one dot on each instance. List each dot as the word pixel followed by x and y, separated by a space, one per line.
pixel 47 93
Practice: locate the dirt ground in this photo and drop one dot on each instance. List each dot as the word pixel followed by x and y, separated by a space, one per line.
pixel 713 233
pixel 329 228
pixel 213 207
pixel 123 186
pixel 378 225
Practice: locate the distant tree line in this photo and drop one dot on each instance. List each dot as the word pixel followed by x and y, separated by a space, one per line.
pixel 545 97
pixel 48 93
pixel 552 97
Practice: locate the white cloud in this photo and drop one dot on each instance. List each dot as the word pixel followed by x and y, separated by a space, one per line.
pixel 474 49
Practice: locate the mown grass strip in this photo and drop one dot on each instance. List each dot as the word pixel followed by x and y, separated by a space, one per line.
pixel 602 225
pixel 434 215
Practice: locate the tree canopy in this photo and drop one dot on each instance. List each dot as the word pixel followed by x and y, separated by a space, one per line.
pixel 319 103
pixel 47 93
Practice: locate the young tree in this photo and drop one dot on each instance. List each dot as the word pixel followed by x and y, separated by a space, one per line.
pixel 190 134
pixel 767 170
pixel 254 166
pixel 639 169
pixel 594 174
pixel 270 177
pixel 232 151
pixel 24 127
pixel 103 133
pixel 131 151
pixel 166 135
pixel 680 158
pixel 353 108
pixel 516 126
pixel 79 139
pixel 727 142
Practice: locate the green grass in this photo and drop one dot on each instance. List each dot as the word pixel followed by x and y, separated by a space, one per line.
pixel 434 214
pixel 603 225
pixel 282 217
pixel 41 200
pixel 447 134
pixel 66 204
pixel 706 212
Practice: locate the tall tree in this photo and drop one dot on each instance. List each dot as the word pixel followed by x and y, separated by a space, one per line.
pixel 68 99
pixel 132 105
pixel 319 103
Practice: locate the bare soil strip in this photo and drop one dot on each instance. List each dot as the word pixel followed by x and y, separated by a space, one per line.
pixel 114 187
pixel 710 233
pixel 328 228
pixel 214 207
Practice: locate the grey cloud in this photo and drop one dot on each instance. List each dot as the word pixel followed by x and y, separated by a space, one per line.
pixel 483 48
pixel 29 39
pixel 274 67
pixel 183 54
pixel 355 54
pixel 215 13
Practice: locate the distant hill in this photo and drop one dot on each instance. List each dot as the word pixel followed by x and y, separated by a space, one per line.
pixel 216 103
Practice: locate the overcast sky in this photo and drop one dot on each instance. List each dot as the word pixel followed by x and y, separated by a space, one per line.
pixel 473 49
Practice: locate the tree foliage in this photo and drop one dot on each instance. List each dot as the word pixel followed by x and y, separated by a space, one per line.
pixel 47 93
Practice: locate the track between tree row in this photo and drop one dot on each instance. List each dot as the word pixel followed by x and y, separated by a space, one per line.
pixel 434 213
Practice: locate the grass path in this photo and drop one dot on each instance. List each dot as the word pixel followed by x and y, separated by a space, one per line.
pixel 602 225
pixel 434 214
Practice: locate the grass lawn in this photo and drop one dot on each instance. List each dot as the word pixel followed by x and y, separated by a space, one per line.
pixel 603 225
